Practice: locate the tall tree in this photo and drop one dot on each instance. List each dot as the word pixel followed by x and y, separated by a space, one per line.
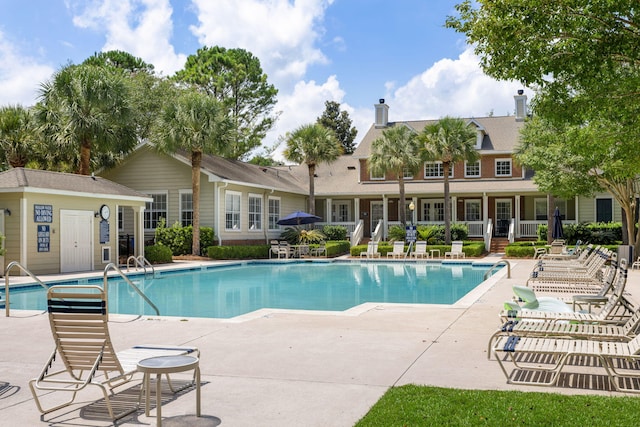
pixel 18 136
pixel 147 91
pixel 340 123
pixel 396 152
pixel 87 107
pixel 584 61
pixel 572 160
pixel 449 140
pixel 235 78
pixel 312 144
pixel 196 123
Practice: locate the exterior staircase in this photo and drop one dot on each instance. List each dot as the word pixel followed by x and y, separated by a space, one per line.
pixel 498 244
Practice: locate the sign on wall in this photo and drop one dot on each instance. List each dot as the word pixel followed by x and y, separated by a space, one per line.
pixel 42 213
pixel 44 238
pixel 104 231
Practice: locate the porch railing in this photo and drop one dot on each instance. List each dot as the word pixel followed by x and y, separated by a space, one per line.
pixel 356 235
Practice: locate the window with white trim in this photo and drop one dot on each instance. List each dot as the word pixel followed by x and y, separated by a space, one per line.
pixel 120 218
pixel 255 212
pixel 540 208
pixel 472 210
pixel 274 213
pixel 341 211
pixel 155 210
pixel 472 169
pixel 407 174
pixel 436 170
pixel 433 210
pixel 232 211
pixel 376 176
pixel 503 167
pixel 186 207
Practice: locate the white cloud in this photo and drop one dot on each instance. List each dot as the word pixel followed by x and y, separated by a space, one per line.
pixel 279 32
pixel 21 75
pixel 302 106
pixel 454 87
pixel 140 27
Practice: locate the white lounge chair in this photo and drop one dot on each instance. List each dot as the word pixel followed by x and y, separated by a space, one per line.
pixel 420 250
pixel 84 354
pixel 456 250
pixel 372 251
pixel 398 250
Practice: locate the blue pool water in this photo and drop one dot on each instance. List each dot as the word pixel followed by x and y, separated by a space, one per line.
pixel 229 291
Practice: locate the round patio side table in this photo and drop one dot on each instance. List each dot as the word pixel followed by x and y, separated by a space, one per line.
pixel 167 365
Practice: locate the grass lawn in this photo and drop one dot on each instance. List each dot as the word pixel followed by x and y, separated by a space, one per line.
pixel 413 405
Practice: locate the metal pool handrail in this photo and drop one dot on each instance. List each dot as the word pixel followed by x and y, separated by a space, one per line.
pixel 142 262
pixel 6 281
pixel 502 261
pixel 112 266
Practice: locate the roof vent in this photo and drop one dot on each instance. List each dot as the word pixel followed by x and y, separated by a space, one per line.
pixel 351 168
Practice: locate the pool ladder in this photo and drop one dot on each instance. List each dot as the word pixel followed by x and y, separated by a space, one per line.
pixel 493 267
pixel 142 262
pixel 112 266
pixel 6 283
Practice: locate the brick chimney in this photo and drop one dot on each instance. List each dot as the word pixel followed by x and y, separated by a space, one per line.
pixel 382 114
pixel 521 105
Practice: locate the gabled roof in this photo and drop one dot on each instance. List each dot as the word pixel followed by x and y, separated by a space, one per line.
pixel 34 180
pixel 501 133
pixel 235 171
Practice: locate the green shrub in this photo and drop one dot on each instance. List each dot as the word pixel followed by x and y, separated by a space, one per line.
pixel 397 232
pixel 335 232
pixel 598 233
pixel 238 252
pixel 297 234
pixel 333 249
pixel 337 248
pixel 158 254
pixel 180 239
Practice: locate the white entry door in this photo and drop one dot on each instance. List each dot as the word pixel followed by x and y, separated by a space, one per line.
pixel 76 241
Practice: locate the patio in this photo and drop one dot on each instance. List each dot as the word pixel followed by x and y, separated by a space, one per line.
pixel 288 368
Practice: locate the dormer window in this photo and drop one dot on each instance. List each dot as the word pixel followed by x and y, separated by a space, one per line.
pixel 503 167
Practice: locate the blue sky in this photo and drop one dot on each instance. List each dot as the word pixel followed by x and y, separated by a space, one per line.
pixel 350 51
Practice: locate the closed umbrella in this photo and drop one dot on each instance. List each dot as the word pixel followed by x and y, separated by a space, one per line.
pixel 298 218
pixel 557 233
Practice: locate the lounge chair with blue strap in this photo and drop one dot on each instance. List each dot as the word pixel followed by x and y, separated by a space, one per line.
pixel 84 354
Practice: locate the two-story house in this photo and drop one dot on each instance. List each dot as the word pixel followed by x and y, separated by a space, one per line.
pixel 495 197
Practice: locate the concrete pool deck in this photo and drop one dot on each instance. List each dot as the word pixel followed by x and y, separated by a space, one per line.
pixel 286 368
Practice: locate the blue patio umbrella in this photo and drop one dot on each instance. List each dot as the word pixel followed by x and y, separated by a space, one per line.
pixel 557 233
pixel 298 218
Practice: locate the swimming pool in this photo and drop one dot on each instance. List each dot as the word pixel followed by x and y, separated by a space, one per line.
pixel 233 290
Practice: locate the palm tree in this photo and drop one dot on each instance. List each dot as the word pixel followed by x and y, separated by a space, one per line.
pixel 88 106
pixel 449 140
pixel 312 144
pixel 18 135
pixel 396 152
pixel 197 123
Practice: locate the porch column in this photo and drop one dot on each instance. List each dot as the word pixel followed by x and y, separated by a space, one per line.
pixel 327 208
pixel 356 211
pixel 385 216
pixel 139 230
pixel 517 217
pixel 485 212
pixel 454 209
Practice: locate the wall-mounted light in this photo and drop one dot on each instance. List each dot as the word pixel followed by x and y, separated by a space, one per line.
pixel 7 212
